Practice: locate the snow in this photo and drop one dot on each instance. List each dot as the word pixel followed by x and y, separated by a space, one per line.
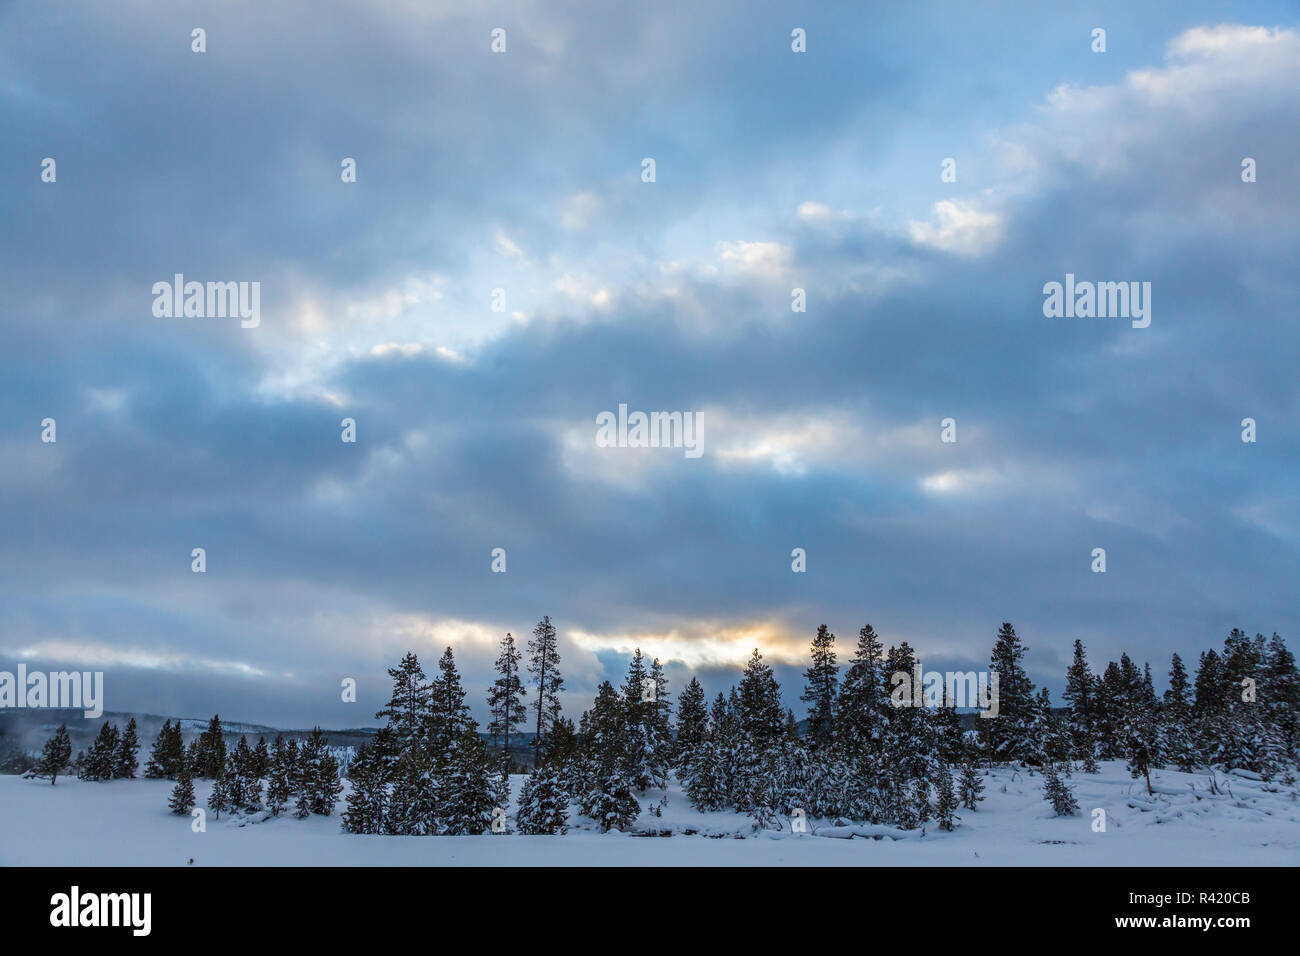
pixel 126 822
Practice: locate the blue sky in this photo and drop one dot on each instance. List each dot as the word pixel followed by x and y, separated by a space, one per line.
pixel 521 171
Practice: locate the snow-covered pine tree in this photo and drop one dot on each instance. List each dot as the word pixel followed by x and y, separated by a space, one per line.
pixel 909 740
pixel 945 808
pixel 325 785
pixel 506 698
pixel 1280 694
pixel 863 699
pixel 101 759
pixel 126 762
pixel 543 802
pixel 250 781
pixel 1007 738
pixel 466 802
pixel 182 797
pixel 55 755
pixel 1177 733
pixel 822 684
pixel 1080 694
pixel 448 712
pixel 168 753
pixel 761 717
pixel 210 759
pixel 408 707
pixel 261 759
pixel 1057 793
pixel 950 739
pixel 367 800
pixel 236 791
pixel 414 801
pixel 706 787
pixel 280 775
pixel 635 728
pixel 692 725
pixel 1137 722
pixel 543 664
pixel 219 795
pixel 972 787
pixel 659 727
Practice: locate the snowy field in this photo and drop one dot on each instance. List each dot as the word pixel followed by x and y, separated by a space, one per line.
pixel 125 822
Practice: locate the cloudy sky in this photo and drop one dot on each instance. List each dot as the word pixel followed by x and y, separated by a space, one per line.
pixel 521 171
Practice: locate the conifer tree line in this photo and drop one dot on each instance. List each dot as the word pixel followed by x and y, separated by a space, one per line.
pixel 859 757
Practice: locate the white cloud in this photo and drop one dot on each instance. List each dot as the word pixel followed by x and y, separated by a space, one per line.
pixel 958 227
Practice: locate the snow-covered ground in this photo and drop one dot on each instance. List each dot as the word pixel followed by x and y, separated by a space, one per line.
pixel 126 822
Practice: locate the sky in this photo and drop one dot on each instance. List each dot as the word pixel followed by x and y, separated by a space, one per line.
pixel 522 171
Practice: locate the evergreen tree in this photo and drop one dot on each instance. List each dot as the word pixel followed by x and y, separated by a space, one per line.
pixel 659 726
pixel 211 755
pixel 1280 694
pixel 55 755
pixel 1080 694
pixel 100 760
pixel 219 796
pixel 972 787
pixel 408 708
pixel 506 698
pixel 1057 793
pixel 322 768
pixel 448 712
pixel 168 753
pixel 692 725
pixel 863 700
pixel 261 759
pixel 368 799
pixel 1138 725
pixel 543 803
pixel 235 784
pixel 946 808
pixel 466 802
pixel 1007 738
pixel 1177 737
pixel 822 677
pixel 182 798
pixel 635 729
pixel 280 775
pixel 762 720
pixel 543 664
pixel 126 762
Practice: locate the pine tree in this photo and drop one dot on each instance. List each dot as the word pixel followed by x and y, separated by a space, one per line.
pixel 413 805
pixel 635 723
pixel 233 779
pixel 1280 694
pixel 543 803
pixel 126 762
pixel 100 760
pixel 55 755
pixel 466 802
pixel 1138 725
pixel 863 702
pixel 168 753
pixel 219 796
pixel 823 679
pixel 408 708
pixel 368 798
pixel 659 726
pixel 261 759
pixel 1177 735
pixel 761 717
pixel 448 712
pixel 182 798
pixel 283 769
pixel 211 756
pixel 1007 738
pixel 1080 694
pixel 972 787
pixel 1058 794
pixel 543 664
pixel 506 698
pixel 692 725
pixel 946 808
